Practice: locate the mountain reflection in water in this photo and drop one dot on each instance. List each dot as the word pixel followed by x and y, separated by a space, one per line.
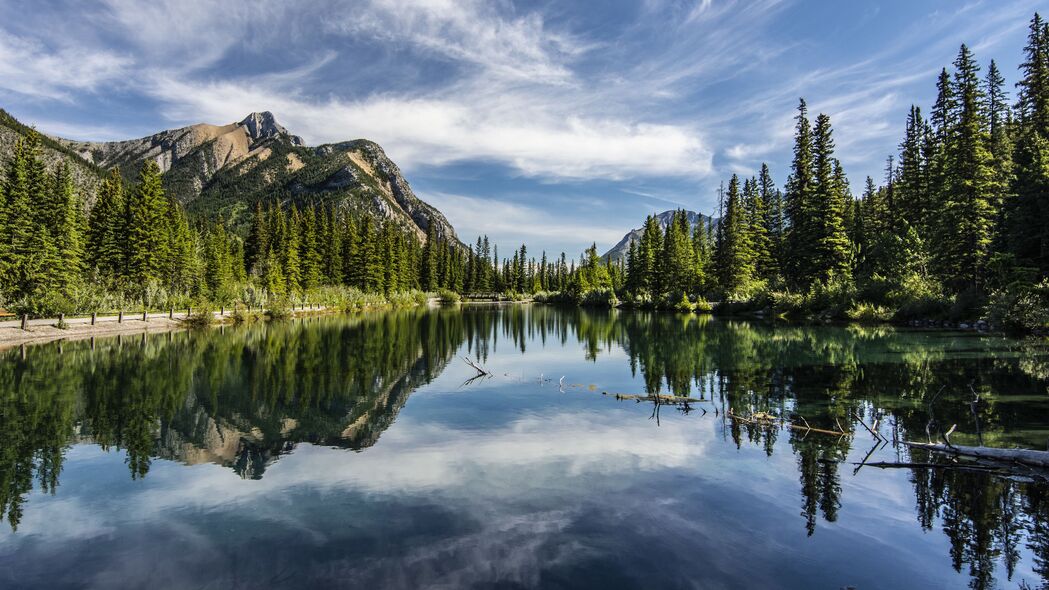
pixel 518 479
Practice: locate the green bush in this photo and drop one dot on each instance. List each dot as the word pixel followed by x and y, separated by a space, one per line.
pixel 684 305
pixel 702 306
pixel 279 310
pixel 1023 308
pixel 202 318
pixel 447 296
pixel 868 313
pixel 598 298
pixel 787 304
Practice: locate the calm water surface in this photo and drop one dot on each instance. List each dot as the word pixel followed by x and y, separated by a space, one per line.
pixel 355 452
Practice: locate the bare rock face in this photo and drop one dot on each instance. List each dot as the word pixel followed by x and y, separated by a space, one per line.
pixel 226 143
pixel 226 169
pixel 263 125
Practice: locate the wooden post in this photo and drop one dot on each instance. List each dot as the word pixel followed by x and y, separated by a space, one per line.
pixel 189 311
pixel 171 313
pixel 222 310
pixel 120 317
pixel 61 319
pixel 144 318
pixel 25 321
pixel 94 317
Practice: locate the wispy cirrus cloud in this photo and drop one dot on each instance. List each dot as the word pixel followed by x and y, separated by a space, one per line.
pixel 663 95
pixel 31 68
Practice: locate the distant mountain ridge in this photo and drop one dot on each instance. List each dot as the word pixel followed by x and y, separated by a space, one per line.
pixel 226 169
pixel 619 251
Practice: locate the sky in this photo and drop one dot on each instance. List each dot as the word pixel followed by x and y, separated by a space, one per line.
pixel 554 124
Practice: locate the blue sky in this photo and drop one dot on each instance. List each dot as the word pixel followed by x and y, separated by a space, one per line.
pixel 550 123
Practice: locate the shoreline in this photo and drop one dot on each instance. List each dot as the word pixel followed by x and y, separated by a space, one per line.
pixel 43 331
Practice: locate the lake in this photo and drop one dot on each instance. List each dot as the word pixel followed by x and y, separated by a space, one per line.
pixel 364 451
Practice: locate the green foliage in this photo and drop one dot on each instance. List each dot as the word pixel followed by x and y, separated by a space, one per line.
pixel 202 318
pixel 447 296
pixel 869 313
pixel 604 297
pixel 684 306
pixel 1023 308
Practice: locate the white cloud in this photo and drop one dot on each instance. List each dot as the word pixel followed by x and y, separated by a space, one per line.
pixel 469 31
pixel 479 216
pixel 30 68
pixel 532 137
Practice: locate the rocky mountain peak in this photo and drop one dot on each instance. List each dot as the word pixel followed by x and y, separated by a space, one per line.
pixel 264 125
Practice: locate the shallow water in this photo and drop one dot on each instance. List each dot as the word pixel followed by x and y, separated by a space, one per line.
pixel 357 452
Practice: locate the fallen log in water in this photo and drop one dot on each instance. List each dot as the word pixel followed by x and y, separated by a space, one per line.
pixel 658 398
pixel 1022 456
pixel 763 418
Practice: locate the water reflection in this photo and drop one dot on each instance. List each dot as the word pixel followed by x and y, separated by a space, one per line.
pixel 530 461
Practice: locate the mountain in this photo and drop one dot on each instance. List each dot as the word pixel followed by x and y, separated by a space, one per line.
pixel 226 169
pixel 53 152
pixel 619 251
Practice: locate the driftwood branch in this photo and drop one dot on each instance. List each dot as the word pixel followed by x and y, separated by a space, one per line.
pixel 476 367
pixel 1032 458
pixel 767 419
pixel 873 432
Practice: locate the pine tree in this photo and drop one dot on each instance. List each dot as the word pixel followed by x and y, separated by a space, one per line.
pixel 1000 144
pixel 798 205
pixel 309 253
pixel 428 273
pixel 1028 215
pixel 218 262
pixel 351 240
pixel 107 227
pixel 649 247
pixel 966 227
pixel 69 229
pixel 146 245
pixel 831 254
pixel 291 262
pixel 770 267
pixel 735 262
pixel 18 220
pixel 912 205
pixel 258 244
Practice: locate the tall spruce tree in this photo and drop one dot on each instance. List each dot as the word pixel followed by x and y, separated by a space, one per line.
pixel 798 205
pixel 966 225
pixel 107 227
pixel 146 240
pixel 831 250
pixel 736 266
pixel 1028 215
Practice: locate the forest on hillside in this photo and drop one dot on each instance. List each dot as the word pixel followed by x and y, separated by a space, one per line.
pixel 957 229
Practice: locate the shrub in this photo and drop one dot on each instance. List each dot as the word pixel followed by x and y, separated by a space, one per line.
pixel 683 306
pixel 1023 308
pixel 279 310
pixel 202 318
pixel 869 313
pixel 702 306
pixel 447 296
pixel 598 298
pixel 787 304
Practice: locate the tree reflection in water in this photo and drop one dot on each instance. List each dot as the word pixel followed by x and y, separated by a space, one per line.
pixel 246 396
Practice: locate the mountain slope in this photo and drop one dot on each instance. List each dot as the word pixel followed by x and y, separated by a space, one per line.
pixel 227 169
pixel 619 251
pixel 54 153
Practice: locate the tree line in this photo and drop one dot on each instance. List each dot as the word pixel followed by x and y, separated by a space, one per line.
pixel 961 217
pixel 138 247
